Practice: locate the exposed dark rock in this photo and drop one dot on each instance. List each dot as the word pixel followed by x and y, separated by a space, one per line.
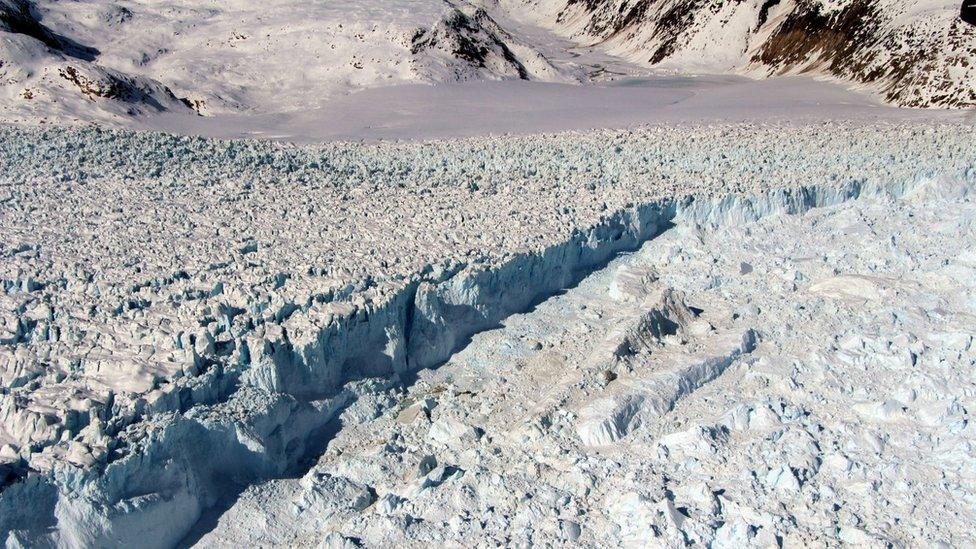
pixel 110 85
pixel 764 11
pixel 470 38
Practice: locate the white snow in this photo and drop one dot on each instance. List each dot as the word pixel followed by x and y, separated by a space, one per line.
pixel 276 56
pixel 495 108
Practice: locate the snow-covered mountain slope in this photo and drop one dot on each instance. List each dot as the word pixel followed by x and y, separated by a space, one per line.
pixel 915 53
pixel 89 60
pixel 101 60
pixel 44 72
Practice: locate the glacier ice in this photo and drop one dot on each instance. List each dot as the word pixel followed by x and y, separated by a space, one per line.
pixel 138 395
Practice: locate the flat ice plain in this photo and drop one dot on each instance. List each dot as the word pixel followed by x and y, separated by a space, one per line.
pixel 796 379
pixel 517 107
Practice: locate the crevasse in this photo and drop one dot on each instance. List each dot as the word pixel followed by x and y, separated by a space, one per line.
pixel 260 425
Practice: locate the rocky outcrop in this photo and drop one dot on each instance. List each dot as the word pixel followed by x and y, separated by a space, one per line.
pixel 912 53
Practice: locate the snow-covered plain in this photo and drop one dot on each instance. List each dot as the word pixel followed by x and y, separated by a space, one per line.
pixel 184 318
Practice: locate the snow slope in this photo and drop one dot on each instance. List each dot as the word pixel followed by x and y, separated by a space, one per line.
pixel 91 59
pixel 44 73
pixel 94 61
pixel 183 318
pixel 916 53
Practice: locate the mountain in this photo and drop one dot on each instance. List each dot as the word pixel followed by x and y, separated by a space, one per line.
pixel 93 59
pixel 914 53
pixel 89 60
pixel 44 72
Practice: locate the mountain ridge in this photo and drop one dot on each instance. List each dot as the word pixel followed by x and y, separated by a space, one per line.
pixel 911 53
pixel 89 61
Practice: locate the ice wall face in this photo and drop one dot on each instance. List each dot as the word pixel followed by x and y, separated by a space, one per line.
pixel 913 53
pixel 142 395
pixel 446 313
pixel 795 380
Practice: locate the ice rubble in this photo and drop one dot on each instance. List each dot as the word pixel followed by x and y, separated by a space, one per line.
pixel 848 423
pixel 137 397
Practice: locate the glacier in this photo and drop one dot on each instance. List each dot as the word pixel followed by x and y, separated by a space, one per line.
pixel 255 348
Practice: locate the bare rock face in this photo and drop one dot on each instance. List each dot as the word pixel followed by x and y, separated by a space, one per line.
pixel 912 53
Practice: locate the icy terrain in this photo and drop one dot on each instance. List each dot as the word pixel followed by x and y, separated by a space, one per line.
pixel 803 380
pixel 747 322
pixel 523 108
pixel 186 318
